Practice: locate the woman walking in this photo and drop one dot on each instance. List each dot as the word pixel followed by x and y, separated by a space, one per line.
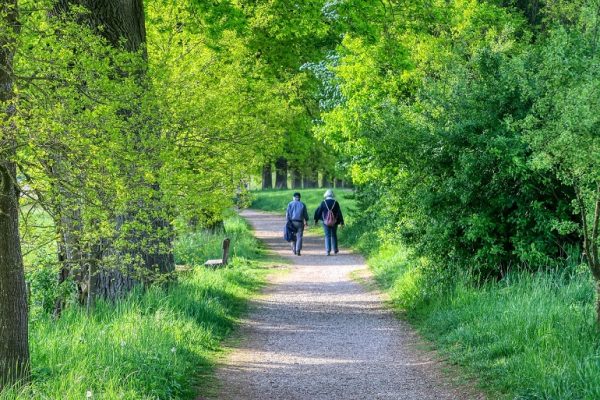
pixel 331 214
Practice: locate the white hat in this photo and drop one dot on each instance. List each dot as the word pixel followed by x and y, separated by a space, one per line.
pixel 329 193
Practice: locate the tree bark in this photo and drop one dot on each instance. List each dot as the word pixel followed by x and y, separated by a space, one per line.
pixel 590 239
pixel 267 177
pixel 14 343
pixel 121 22
pixel 327 180
pixel 311 180
pixel 66 208
pixel 530 8
pixel 296 178
pixel 281 173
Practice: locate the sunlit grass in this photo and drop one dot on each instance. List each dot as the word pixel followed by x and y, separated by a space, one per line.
pixel 156 344
pixel 529 336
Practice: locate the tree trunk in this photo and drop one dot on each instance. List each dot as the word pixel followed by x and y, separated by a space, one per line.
pixel 114 20
pixel 339 183
pixel 157 248
pixel 66 208
pixel 150 248
pixel 14 342
pixel 327 181
pixel 14 345
pixel 311 180
pixel 296 178
pixel 281 173
pixel 597 302
pixel 591 229
pixel 531 9
pixel 267 177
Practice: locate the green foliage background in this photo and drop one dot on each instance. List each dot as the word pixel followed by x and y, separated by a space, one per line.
pixel 469 129
pixel 459 129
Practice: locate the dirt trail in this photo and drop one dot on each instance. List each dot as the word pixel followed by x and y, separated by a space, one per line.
pixel 315 333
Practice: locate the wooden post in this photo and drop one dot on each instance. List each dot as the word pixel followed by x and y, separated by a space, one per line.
pixel 223 261
pixel 226 243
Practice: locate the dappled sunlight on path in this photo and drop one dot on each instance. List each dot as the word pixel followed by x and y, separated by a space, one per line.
pixel 315 333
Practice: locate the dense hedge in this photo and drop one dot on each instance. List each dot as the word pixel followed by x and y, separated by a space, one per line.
pixel 470 130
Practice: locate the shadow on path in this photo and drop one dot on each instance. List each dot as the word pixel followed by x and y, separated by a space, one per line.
pixel 317 334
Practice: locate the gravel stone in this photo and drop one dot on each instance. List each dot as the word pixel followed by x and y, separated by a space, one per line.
pixel 316 333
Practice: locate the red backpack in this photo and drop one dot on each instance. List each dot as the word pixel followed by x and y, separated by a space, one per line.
pixel 329 219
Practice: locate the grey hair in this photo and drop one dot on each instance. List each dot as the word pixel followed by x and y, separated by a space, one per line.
pixel 329 193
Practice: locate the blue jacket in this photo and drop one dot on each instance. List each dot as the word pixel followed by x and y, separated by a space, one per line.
pixel 296 211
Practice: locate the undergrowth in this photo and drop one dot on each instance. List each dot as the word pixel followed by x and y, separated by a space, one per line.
pixel 527 336
pixel 155 344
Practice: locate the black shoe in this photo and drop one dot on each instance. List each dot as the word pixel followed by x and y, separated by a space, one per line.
pixel 298 253
pixel 337 251
pixel 328 254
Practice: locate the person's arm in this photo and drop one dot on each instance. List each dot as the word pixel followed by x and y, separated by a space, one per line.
pixel 318 213
pixel 305 214
pixel 340 217
pixel 287 213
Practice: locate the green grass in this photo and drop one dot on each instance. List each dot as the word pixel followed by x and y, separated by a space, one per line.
pixel 525 337
pixel 157 344
pixel 277 200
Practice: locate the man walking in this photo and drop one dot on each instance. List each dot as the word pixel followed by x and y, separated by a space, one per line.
pixel 298 215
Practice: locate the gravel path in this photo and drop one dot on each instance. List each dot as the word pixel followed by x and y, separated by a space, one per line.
pixel 315 333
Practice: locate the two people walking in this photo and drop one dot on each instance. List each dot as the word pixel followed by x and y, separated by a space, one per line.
pixel 329 212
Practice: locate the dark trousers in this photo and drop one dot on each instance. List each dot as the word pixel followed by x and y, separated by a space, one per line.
pixel 297 246
pixel 330 238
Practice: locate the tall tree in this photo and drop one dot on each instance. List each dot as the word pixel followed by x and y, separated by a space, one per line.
pixel 14 345
pixel 144 230
pixel 281 173
pixel 120 22
pixel 296 178
pixel 267 176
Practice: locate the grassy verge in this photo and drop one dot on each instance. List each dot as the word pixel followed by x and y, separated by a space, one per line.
pixel 157 344
pixel 529 336
pixel 197 247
